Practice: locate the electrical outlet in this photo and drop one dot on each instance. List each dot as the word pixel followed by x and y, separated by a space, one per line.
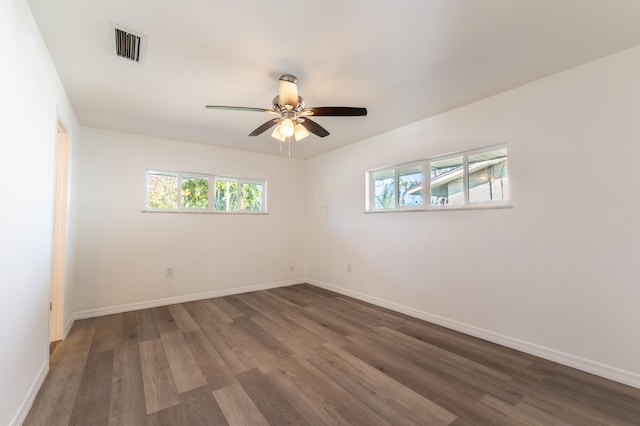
pixel 169 272
pixel 348 267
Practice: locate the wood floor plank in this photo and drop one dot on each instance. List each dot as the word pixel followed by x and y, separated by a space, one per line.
pixel 603 409
pixel 165 323
pixel 310 405
pixel 239 349
pixel 294 338
pixel 205 312
pixel 247 310
pixel 279 304
pixel 215 371
pixel 132 418
pixel 315 294
pixel 146 325
pixel 260 305
pixel 486 353
pixel 94 394
pixel 416 346
pixel 58 393
pixel 269 400
pixel 510 414
pixel 444 363
pixel 383 316
pixel 589 389
pixel 127 389
pixel 235 358
pixel 388 398
pixel 170 416
pixel 337 308
pixel 109 332
pixel 452 395
pixel 238 408
pixel 185 369
pixel 292 295
pixel 201 408
pixel 334 321
pixel 129 327
pixel 305 355
pixel 159 388
pixel 309 380
pixel 216 314
pixel 223 304
pixel 183 319
pixel 262 336
pixel 316 291
pixel 79 340
pixel 566 411
pixel 317 328
pixel 544 417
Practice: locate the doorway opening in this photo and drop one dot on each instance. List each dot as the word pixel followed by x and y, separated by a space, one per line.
pixel 58 258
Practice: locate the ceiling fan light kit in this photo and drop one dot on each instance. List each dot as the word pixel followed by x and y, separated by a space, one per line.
pixel 293 121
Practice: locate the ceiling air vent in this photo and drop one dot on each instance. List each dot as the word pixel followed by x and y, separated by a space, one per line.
pixel 128 44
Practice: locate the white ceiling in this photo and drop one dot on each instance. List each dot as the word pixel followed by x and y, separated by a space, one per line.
pixel 403 60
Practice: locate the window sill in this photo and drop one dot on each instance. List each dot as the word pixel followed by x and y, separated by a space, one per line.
pixel 194 211
pixel 443 208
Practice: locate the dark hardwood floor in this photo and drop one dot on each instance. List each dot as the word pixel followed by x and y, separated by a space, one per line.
pixel 303 355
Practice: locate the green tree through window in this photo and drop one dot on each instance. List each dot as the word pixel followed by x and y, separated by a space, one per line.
pixel 226 195
pixel 195 193
pixel 167 190
pixel 162 191
pixel 251 194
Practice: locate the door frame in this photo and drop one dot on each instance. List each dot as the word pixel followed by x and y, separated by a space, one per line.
pixel 59 249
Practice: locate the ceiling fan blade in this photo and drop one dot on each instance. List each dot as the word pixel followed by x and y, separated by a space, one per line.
pixel 266 126
pixel 238 108
pixel 288 90
pixel 315 128
pixel 335 111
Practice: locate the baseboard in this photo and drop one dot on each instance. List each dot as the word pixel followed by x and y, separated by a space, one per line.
pixel 67 327
pixel 91 313
pixel 587 365
pixel 18 419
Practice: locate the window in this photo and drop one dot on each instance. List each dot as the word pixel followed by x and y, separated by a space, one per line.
pixel 445 177
pixel 459 180
pixel 397 187
pixel 230 190
pixel 162 190
pixel 385 189
pixel 251 195
pixel 410 186
pixel 487 173
pixel 226 194
pixel 195 192
pixel 231 195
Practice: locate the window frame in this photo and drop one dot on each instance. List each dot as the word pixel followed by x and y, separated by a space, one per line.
pixel 371 193
pixel 370 197
pixel 211 204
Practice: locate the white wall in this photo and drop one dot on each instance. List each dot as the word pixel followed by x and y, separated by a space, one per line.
pixel 558 274
pixel 123 252
pixel 31 99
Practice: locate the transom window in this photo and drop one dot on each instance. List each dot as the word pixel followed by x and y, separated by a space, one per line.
pixel 458 180
pixel 184 191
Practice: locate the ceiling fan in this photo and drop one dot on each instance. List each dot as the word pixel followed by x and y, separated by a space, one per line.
pixel 293 115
